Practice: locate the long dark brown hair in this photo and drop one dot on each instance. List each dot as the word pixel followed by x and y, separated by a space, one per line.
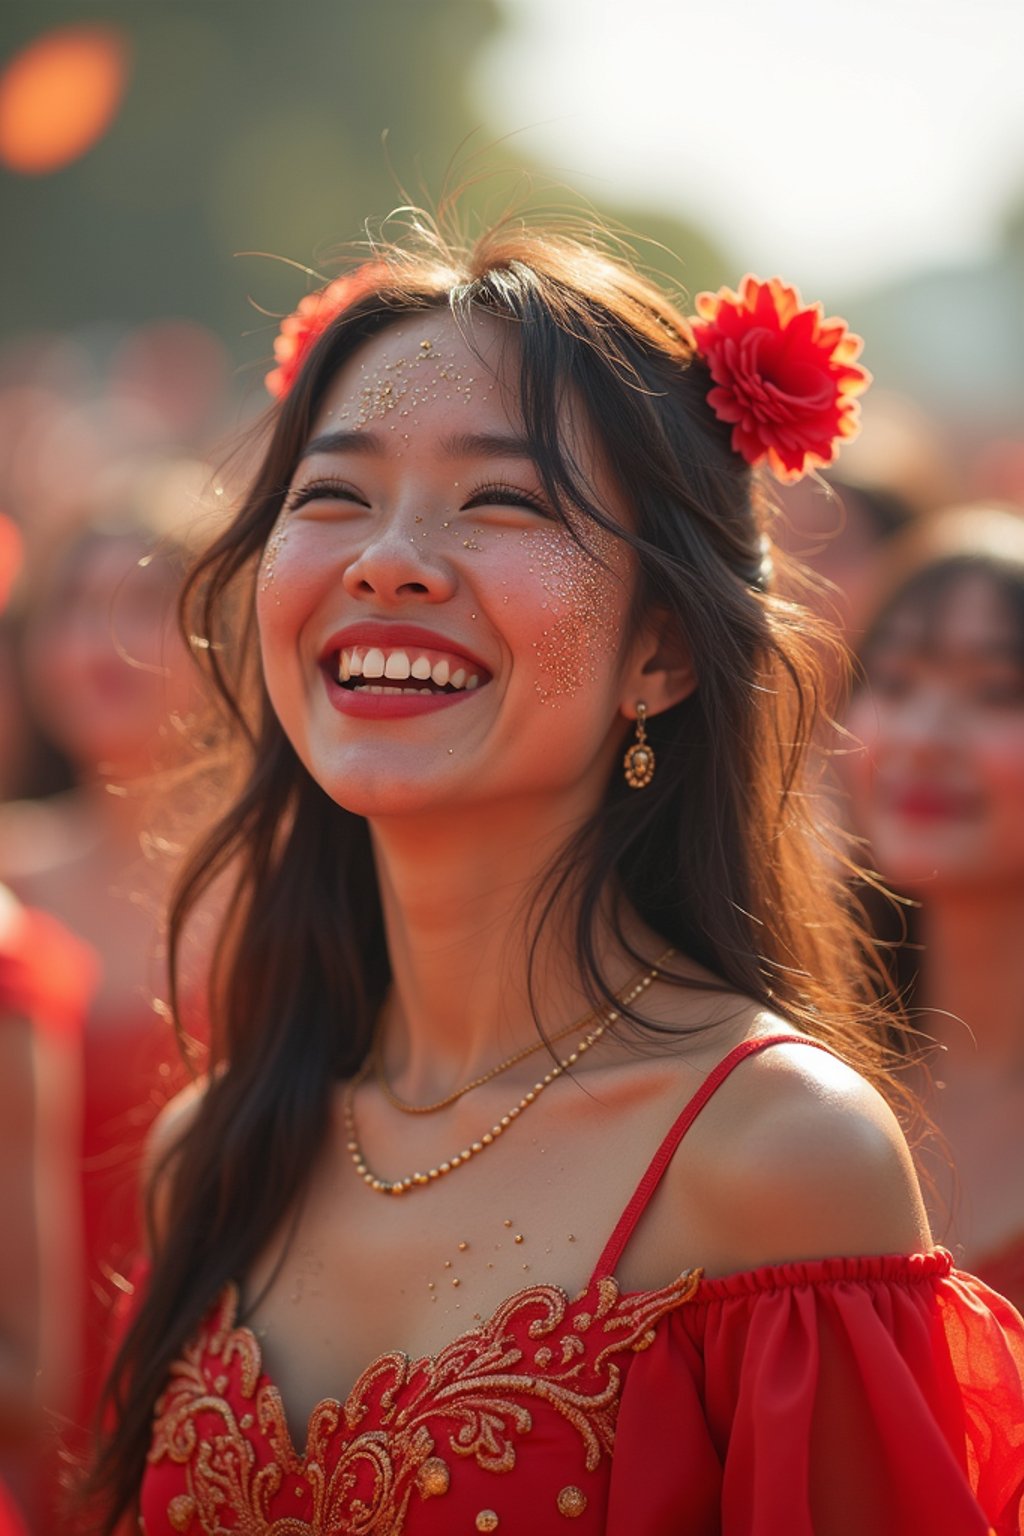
pixel 723 855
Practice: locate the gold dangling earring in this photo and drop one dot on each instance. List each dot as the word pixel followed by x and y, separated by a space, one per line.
pixel 638 762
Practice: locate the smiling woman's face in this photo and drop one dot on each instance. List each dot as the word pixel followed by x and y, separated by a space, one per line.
pixel 938 786
pixel 431 634
pixel 106 668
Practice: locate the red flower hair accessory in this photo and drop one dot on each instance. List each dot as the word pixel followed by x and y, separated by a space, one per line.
pixel 785 376
pixel 311 317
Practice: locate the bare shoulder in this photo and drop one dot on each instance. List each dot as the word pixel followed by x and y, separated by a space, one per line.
pixel 173 1122
pixel 800 1157
pixel 166 1133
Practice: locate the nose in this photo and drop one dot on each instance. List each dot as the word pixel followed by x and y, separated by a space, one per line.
pixel 400 562
pixel 926 722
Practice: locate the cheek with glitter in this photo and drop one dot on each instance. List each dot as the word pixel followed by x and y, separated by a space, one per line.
pixel 582 599
pixel 272 550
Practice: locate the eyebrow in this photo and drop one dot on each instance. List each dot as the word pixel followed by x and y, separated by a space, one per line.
pixel 487 445
pixel 971 651
pixel 461 445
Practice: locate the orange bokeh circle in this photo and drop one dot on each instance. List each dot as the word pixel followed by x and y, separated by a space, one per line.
pixel 59 95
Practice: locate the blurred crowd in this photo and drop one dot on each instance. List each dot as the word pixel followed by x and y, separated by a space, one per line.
pixel 109 478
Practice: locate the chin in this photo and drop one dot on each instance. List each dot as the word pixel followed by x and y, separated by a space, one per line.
pixel 376 791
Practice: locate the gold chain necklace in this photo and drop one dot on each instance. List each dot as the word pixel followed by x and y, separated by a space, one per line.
pixel 510 1061
pixel 418 1180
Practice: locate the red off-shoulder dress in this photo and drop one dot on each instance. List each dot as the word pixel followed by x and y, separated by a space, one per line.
pixel 881 1396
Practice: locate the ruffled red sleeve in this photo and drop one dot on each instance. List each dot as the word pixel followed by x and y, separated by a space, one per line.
pixel 834 1398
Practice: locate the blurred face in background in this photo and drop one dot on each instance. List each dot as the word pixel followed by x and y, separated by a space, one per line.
pixel 106 668
pixel 938 783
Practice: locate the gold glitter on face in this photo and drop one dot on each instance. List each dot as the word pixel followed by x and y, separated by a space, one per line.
pixel 271 550
pixel 409 378
pixel 575 648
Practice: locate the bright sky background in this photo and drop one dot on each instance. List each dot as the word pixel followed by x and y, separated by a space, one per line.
pixel 838 142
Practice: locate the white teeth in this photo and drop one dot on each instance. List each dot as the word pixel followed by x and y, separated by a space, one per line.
pixel 354 662
pixel 397 666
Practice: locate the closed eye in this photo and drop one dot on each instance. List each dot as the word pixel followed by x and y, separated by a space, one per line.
pixel 498 494
pixel 323 490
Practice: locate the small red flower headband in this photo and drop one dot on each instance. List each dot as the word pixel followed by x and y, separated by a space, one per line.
pixel 314 313
pixel 784 375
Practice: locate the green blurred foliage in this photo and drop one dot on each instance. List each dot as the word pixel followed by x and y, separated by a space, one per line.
pixel 259 125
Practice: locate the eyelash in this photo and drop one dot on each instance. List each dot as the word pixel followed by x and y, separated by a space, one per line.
pixel 495 493
pixel 316 488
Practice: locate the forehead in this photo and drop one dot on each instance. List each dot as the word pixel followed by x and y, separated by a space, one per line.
pixel 425 366
pixel 969 611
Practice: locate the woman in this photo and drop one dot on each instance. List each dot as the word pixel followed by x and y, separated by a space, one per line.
pixel 107 676
pixel 939 791
pixel 45 980
pixel 516 697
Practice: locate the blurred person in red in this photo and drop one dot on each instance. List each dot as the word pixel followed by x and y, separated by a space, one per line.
pixel 938 789
pixel 45 979
pixel 109 682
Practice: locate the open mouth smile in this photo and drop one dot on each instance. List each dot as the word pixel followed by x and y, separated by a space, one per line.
pixel 372 669
pixel 375 677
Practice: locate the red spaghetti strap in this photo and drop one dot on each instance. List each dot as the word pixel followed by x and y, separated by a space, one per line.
pixel 659 1162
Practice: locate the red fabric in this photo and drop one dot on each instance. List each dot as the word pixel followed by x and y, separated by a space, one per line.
pixel 46 974
pixel 132 1066
pixel 841 1397
pixel 845 1396
pixel 47 977
pixel 881 1395
pixel 11 1523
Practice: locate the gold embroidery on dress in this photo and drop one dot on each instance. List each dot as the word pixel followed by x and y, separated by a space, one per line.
pixel 476 1395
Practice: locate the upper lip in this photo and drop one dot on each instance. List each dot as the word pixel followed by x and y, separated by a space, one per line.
pixel 393 635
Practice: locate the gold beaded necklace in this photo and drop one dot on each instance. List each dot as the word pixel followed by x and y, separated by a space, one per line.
pixel 419 1180
pixel 477 1082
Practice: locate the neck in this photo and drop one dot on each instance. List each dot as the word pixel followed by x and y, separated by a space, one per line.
pixel 974 970
pixel 456 896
